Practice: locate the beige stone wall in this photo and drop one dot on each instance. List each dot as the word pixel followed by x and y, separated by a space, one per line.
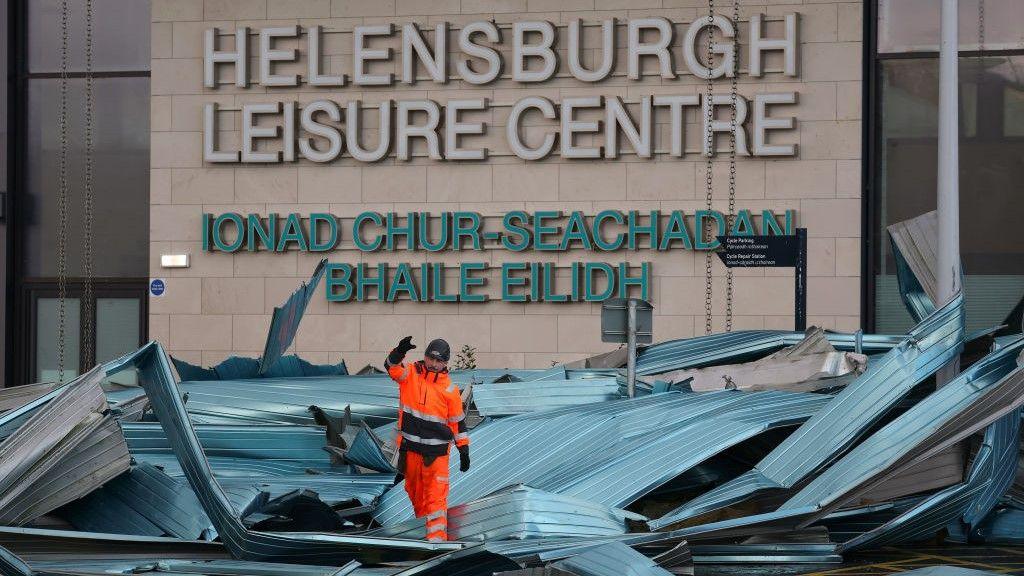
pixel 222 303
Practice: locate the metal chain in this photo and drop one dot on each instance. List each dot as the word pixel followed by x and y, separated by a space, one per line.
pixel 981 59
pixel 732 159
pixel 62 198
pixel 88 308
pixel 709 165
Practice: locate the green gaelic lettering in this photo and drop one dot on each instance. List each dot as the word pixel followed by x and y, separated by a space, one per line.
pixel 590 271
pixel 403 282
pixel 318 243
pixel 338 282
pixel 708 239
pixel 293 233
pixel 742 224
pixel 508 281
pixel 676 231
pixel 219 236
pixel 467 282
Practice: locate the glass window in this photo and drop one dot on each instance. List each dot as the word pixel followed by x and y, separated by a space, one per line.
pixel 117 332
pixel 121 178
pixel 120 35
pixel 47 322
pixel 913 25
pixel 991 169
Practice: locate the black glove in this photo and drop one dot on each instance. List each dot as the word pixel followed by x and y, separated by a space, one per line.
pixel 463 458
pixel 398 354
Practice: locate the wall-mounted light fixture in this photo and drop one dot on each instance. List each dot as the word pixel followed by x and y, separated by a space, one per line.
pixel 174 261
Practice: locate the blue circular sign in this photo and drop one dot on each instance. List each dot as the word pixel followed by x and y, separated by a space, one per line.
pixel 157 287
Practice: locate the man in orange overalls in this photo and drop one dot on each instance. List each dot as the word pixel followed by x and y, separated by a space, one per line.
pixel 430 418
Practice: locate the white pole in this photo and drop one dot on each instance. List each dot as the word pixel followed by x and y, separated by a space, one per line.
pixel 949 158
pixel 948 269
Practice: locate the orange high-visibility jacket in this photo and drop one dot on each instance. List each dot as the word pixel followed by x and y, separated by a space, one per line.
pixel 430 413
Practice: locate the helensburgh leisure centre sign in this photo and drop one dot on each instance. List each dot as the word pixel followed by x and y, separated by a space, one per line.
pixel 323 130
pixel 585 127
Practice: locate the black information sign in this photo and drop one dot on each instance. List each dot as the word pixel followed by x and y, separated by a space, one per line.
pixel 758 251
pixel 772 252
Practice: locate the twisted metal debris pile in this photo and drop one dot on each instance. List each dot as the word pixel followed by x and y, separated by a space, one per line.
pixel 746 448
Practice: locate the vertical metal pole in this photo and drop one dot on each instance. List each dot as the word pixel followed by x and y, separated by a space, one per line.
pixel 631 347
pixel 948 270
pixel 949 158
pixel 800 274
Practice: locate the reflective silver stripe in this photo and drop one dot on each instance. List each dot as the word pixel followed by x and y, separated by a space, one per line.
pixel 462 436
pixel 451 387
pixel 429 441
pixel 438 514
pixel 424 415
pixel 438 538
pixel 457 419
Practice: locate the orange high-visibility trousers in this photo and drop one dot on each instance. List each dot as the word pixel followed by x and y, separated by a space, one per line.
pixel 427 487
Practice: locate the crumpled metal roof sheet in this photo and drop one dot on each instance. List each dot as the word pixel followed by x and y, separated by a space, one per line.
pixel 11 565
pixel 285 321
pixel 64 450
pixel 828 434
pixel 367 450
pixel 612 559
pixel 991 471
pixel 372 398
pixel 143 501
pixel 508 398
pixel 613 452
pixel 189 568
pixel 986 391
pixel 267 442
pixel 228 467
pixel 914 247
pixel 743 345
pixel 41 545
pixel 17 396
pixel 333 489
pixel 521 512
pixel 302 548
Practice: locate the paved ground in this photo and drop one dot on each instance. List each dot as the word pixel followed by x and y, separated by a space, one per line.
pixel 998 559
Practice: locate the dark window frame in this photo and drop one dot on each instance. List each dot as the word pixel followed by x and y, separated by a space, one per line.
pixel 19 329
pixel 871 147
pixel 34 289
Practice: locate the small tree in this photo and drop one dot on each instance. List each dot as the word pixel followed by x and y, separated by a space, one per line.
pixel 466 358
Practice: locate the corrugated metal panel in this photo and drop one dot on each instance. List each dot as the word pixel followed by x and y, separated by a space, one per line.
pixel 947 571
pixel 302 548
pixel 41 545
pixel 226 467
pixel 783 553
pixel 144 501
pixel 544 393
pixel 854 410
pixel 1004 525
pixel 67 448
pixel 285 321
pixel 372 398
pixel 914 244
pixel 11 565
pixel 979 395
pixel 17 396
pixel 471 561
pixel 190 568
pixel 367 450
pixel 332 489
pixel 522 512
pixel 742 345
pixel 613 559
pixel 613 452
pixel 992 468
pixel 297 443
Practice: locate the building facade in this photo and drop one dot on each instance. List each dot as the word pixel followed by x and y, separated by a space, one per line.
pixel 551 153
